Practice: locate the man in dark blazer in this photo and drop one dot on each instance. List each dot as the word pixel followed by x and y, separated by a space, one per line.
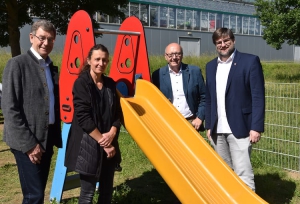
pixel 235 104
pixel 30 106
pixel 183 85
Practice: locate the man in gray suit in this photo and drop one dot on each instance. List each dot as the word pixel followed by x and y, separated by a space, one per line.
pixel 30 106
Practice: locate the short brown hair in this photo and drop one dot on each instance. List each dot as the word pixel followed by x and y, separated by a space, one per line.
pixel 45 25
pixel 222 32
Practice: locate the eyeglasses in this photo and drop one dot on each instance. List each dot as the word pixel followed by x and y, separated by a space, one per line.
pixel 226 41
pixel 43 39
pixel 176 54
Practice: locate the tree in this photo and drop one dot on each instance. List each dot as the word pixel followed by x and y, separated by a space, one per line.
pixel 14 14
pixel 281 19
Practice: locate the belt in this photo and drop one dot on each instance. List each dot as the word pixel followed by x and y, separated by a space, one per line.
pixel 192 117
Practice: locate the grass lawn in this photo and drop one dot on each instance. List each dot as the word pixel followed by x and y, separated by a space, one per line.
pixel 139 182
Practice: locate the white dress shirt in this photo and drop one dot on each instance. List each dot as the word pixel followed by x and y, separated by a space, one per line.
pixel 179 100
pixel 223 70
pixel 45 65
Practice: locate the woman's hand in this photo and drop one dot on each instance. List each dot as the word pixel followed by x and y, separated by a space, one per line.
pixel 108 137
pixel 110 151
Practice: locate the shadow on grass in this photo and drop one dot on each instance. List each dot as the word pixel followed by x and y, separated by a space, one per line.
pixel 151 188
pixel 148 188
pixel 273 189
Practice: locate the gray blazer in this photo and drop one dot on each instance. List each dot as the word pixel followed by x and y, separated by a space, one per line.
pixel 25 104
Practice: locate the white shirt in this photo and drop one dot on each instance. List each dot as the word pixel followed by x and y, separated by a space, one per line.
pixel 45 65
pixel 179 100
pixel 221 82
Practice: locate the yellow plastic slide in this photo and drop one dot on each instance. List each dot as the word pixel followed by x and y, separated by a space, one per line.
pixel 191 168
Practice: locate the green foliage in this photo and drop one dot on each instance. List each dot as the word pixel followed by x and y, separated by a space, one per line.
pixel 281 19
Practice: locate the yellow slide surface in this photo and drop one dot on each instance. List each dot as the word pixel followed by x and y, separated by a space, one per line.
pixel 191 168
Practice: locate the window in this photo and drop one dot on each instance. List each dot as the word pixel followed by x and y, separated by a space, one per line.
pixel 144 14
pixel 196 20
pixel 219 21
pixel 172 18
pixel 153 16
pixel 189 19
pixel 134 10
pixel 251 26
pixel 125 11
pixel 232 24
pixel 204 21
pixel 225 21
pixel 245 25
pixel 212 22
pixel 180 18
pixel 163 17
pixel 239 24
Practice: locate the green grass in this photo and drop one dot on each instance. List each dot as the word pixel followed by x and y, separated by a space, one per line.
pixel 139 182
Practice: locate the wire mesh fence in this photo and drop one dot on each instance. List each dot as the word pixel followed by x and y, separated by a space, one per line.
pixel 280 143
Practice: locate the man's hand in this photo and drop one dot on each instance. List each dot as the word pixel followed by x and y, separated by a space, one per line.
pixel 110 151
pixel 208 133
pixel 35 154
pixel 197 123
pixel 254 136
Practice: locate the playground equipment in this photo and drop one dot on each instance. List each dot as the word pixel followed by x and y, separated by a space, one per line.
pixel 167 139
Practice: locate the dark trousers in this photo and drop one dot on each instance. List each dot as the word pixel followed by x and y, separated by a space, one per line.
pixel 88 184
pixel 33 177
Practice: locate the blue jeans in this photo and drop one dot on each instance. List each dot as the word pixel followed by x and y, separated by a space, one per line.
pixel 33 177
pixel 88 184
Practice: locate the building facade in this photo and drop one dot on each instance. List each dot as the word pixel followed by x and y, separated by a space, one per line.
pixel 190 23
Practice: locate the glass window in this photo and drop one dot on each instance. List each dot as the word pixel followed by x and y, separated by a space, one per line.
pixel 144 14
pixel 153 16
pixel 180 18
pixel 212 22
pixel 251 26
pixel 225 21
pixel 189 19
pixel 172 18
pixel 245 25
pixel 204 21
pixel 134 10
pixel 257 27
pixel 196 21
pixel 219 21
pixel 239 24
pixel 163 17
pixel 125 10
pixel 232 24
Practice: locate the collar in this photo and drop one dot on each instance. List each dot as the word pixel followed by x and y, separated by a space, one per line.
pixel 171 71
pixel 40 59
pixel 229 59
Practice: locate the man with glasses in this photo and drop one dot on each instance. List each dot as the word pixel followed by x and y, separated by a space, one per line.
pixel 183 85
pixel 30 106
pixel 235 104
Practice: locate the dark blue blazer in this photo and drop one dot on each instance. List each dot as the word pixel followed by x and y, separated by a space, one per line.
pixel 244 96
pixel 193 87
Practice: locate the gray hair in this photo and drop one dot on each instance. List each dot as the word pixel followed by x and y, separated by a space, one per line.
pixel 45 25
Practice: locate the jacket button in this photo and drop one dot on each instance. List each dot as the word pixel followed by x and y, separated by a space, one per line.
pixel 46 127
pixel 46 113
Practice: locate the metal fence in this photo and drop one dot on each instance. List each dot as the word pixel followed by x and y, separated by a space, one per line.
pixel 280 143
